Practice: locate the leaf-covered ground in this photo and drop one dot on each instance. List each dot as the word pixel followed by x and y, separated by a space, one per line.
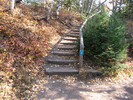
pixel 24 41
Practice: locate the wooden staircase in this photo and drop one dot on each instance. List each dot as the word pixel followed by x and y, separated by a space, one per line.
pixel 62 59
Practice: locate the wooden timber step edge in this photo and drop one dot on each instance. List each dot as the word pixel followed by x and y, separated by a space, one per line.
pixel 73 35
pixel 60 61
pixel 75 30
pixel 68 42
pixel 66 47
pixel 63 53
pixel 61 71
pixel 68 71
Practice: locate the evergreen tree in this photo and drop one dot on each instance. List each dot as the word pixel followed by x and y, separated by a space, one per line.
pixel 104 38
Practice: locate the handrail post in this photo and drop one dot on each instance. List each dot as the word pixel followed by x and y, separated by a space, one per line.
pixel 81 51
pixel 80 61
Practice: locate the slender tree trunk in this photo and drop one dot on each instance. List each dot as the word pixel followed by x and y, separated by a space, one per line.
pixel 98 6
pixel 79 6
pixel 82 6
pixel 113 4
pixel 44 3
pixel 57 8
pixel 88 2
pixel 120 5
pixel 48 13
pixel 116 2
pixel 12 4
pixel 91 5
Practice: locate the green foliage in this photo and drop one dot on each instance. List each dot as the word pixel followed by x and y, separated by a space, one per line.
pixel 28 1
pixel 104 39
pixel 128 9
pixel 71 4
pixel 113 71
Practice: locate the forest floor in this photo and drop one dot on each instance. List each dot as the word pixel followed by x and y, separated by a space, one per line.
pixel 25 41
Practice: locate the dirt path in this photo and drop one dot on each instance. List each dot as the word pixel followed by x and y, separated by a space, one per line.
pixel 68 88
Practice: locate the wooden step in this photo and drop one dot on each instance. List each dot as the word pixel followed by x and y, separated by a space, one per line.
pixel 61 61
pixel 63 53
pixel 68 42
pixel 61 71
pixel 70 39
pixel 76 26
pixel 75 30
pixel 66 47
pixel 73 35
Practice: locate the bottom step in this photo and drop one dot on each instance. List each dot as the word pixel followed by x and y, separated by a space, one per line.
pixel 61 71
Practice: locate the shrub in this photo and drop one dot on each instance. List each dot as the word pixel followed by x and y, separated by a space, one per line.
pixel 104 38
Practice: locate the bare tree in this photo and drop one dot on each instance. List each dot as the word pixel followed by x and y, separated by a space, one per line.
pixel 91 5
pixel 98 6
pixel 45 3
pixel 120 5
pixel 88 5
pixel 82 6
pixel 12 4
pixel 113 4
pixel 116 2
pixel 48 13
pixel 79 6
pixel 57 8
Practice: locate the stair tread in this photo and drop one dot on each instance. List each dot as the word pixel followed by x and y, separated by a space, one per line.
pixel 66 47
pixel 65 52
pixel 61 61
pixel 61 71
pixel 73 35
pixel 70 38
pixel 67 42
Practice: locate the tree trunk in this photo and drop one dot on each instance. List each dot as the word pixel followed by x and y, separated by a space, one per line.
pixel 12 4
pixel 82 6
pixel 48 13
pixel 88 6
pixel 98 6
pixel 120 4
pixel 116 2
pixel 113 4
pixel 79 6
pixel 57 8
pixel 91 5
pixel 45 3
